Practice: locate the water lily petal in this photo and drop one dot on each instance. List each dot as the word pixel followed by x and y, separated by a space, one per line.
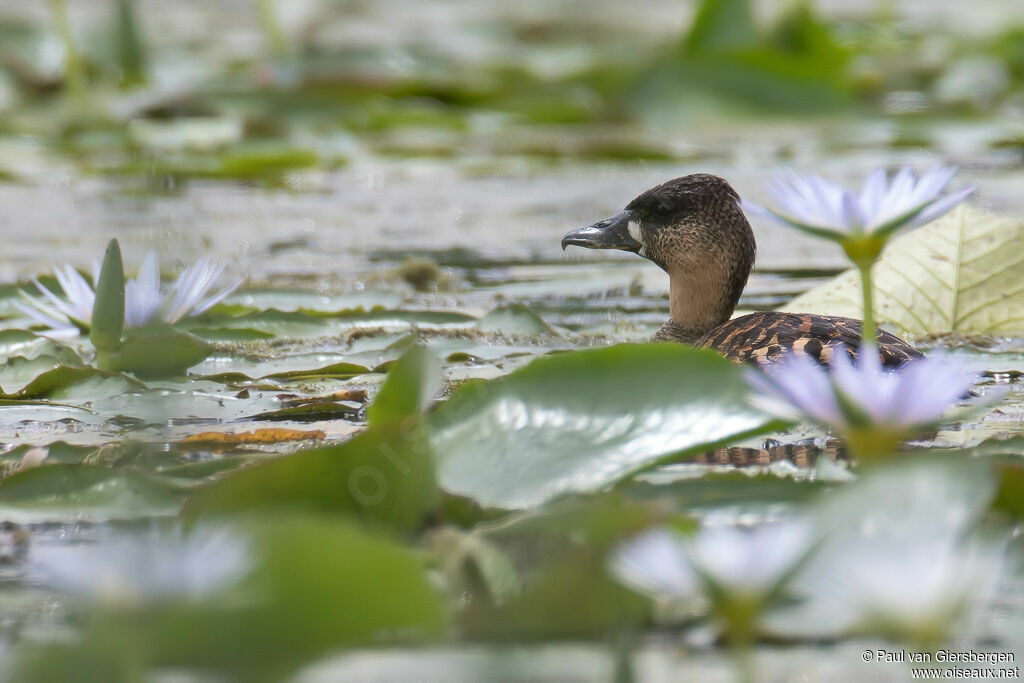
pixel 873 190
pixel 882 204
pixel 942 206
pixel 655 563
pixel 146 567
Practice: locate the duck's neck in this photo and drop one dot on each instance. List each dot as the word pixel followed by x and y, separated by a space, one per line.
pixel 698 302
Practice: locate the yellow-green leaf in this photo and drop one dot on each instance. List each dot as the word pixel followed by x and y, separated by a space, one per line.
pixel 961 273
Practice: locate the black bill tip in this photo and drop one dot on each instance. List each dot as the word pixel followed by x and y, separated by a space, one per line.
pixel 611 233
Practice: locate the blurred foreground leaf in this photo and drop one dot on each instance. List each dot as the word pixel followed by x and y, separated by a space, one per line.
pixel 581 421
pixel 562 588
pixel 903 507
pixel 384 475
pixel 960 273
pixel 413 381
pixel 315 586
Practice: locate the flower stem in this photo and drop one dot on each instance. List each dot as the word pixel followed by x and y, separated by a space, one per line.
pixel 743 658
pixel 272 31
pixel 868 333
pixel 74 75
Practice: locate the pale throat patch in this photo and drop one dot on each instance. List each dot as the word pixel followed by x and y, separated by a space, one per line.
pixel 633 228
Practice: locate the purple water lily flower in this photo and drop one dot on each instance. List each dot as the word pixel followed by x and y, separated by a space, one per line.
pixel 882 206
pixel 863 393
pixel 727 558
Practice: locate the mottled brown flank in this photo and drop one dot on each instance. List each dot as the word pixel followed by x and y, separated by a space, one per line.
pixel 801 455
pixel 768 336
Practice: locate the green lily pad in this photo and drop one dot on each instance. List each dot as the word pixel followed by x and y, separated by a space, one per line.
pixel 581 421
pixel 384 475
pixel 960 273
pixel 158 352
pixel 321 410
pixel 304 300
pixel 514 319
pixel 64 493
pixel 332 370
pixel 47 377
pixel 23 344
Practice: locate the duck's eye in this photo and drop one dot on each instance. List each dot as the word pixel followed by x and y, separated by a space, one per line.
pixel 664 209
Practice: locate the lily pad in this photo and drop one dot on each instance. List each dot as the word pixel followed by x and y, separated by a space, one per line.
pixel 304 300
pixel 22 344
pixel 962 273
pixel 581 421
pixel 86 492
pixel 158 353
pixel 515 319
pixel 384 475
pixel 47 377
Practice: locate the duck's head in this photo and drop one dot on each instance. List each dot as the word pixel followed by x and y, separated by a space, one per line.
pixel 693 228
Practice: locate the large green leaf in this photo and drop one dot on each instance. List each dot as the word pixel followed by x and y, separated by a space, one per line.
pixel 559 556
pixel 961 273
pixel 413 381
pixel 318 585
pixel 580 421
pixel 384 476
pixel 311 586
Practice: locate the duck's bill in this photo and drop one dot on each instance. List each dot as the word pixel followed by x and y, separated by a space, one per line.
pixel 611 233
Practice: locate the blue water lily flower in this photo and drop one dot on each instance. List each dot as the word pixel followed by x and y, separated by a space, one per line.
pixel 144 302
pixel 883 205
pixel 722 559
pixel 863 393
pixel 872 408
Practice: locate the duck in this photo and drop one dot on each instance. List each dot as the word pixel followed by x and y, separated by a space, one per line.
pixel 694 229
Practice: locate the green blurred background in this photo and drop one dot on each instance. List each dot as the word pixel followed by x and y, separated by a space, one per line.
pixel 488 127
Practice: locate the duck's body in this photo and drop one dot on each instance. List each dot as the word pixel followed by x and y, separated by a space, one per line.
pixel 767 336
pixel 694 229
